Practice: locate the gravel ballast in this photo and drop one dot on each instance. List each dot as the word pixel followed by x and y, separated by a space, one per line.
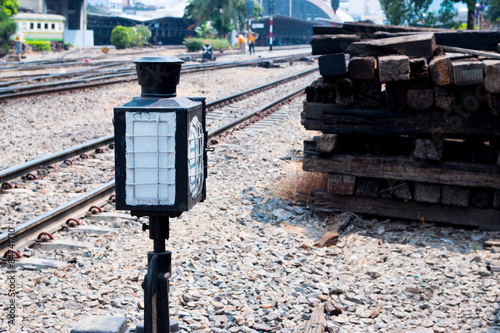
pixel 245 260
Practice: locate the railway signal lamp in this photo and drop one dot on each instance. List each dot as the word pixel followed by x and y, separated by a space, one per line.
pixel 160 144
pixel 160 170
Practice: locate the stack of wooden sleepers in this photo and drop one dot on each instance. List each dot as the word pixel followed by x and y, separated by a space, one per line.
pixel 410 124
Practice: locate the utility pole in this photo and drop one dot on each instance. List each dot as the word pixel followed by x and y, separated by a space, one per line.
pixel 249 13
pixel 335 6
pixel 271 12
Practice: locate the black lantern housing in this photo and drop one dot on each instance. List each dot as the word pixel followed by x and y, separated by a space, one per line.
pixel 160 144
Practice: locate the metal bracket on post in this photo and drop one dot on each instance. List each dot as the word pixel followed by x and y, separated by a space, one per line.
pixel 156 288
pixel 156 282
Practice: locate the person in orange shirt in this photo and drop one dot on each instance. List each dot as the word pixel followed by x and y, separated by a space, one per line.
pixel 251 44
pixel 241 43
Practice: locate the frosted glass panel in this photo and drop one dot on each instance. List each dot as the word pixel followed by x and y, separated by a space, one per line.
pixel 145 143
pixel 150 158
pixel 144 127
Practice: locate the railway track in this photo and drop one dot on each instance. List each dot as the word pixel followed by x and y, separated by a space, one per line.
pixel 218 130
pixel 234 258
pixel 101 75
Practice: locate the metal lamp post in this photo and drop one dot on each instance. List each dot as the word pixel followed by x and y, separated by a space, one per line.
pixel 160 161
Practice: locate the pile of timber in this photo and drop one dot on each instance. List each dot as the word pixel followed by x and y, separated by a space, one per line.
pixel 410 129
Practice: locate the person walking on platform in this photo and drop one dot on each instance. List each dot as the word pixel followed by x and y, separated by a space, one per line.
pixel 241 44
pixel 251 44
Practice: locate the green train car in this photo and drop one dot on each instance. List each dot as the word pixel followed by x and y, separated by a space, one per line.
pixel 48 27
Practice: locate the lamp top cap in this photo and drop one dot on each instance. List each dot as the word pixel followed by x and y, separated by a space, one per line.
pixel 169 59
pixel 158 76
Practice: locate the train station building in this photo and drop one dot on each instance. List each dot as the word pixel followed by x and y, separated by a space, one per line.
pixel 292 22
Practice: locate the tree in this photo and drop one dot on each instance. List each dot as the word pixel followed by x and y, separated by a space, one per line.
pixel 445 17
pixel 415 12
pixel 204 31
pixel 241 13
pixel 224 14
pixel 7 25
pixel 447 13
pixel 408 12
pixel 471 9
pixel 9 6
pixel 120 37
pixel 139 35
pixel 493 13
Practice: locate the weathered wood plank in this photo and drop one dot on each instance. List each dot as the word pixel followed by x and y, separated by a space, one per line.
pixel 369 144
pixel 452 40
pixel 399 191
pixel 406 169
pixel 326 44
pixel 486 219
pixel 441 70
pixel 344 91
pixel 332 308
pixel 445 97
pixel 473 98
pixel 468 72
pixel 396 95
pixel 327 143
pixel 419 74
pixel 479 198
pixel 426 149
pixel 394 68
pixel 341 184
pixel 317 322
pixel 362 68
pixel 368 188
pixel 368 30
pixel 420 99
pixel 494 103
pixel 430 193
pixel 492 76
pixel 455 195
pixel 419 45
pixel 477 40
pixel 492 242
pixel 329 239
pixel 320 91
pixel 368 93
pixel 332 118
pixel 328 30
pixel 332 64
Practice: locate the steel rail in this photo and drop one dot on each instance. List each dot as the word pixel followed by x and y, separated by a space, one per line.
pixel 34 164
pixel 75 61
pixel 36 77
pixel 223 128
pixel 51 221
pixel 58 83
pixel 90 82
pixel 261 87
pixel 83 64
pixel 68 87
pixel 24 168
pixel 26 232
